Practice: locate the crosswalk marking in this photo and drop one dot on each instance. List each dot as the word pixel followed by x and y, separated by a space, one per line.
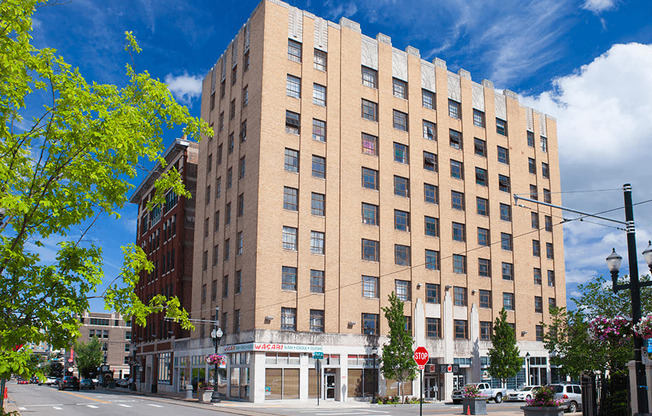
pixel 92 406
pixel 123 405
pixel 153 405
pixel 22 408
pixel 57 408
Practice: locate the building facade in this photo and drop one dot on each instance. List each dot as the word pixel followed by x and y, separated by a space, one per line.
pixel 114 333
pixel 343 169
pixel 166 234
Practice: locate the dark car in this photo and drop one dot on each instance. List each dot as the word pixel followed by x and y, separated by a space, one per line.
pixel 69 382
pixel 87 383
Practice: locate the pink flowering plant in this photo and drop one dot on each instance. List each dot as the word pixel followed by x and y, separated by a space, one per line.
pixel 471 391
pixel 610 329
pixel 644 327
pixel 544 397
pixel 213 359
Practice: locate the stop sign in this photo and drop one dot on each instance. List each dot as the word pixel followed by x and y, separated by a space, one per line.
pixel 421 356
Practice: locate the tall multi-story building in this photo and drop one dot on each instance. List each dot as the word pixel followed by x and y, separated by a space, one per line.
pixel 114 333
pixel 166 234
pixel 343 169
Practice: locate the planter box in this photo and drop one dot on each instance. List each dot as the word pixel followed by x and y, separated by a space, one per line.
pixel 542 411
pixel 204 396
pixel 474 406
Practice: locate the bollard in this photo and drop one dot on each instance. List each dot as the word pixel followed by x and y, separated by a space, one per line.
pixel 188 391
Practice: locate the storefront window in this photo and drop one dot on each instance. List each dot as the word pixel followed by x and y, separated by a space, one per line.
pixel 281 383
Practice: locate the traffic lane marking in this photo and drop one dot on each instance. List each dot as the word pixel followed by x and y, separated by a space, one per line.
pixel 86 397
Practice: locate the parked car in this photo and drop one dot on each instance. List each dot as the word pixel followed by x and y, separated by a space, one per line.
pixel 51 380
pixel 86 383
pixel 34 380
pixel 525 393
pixel 22 381
pixel 490 393
pixel 123 382
pixel 571 394
pixel 69 382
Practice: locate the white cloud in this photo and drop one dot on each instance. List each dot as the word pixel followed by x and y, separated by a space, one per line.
pixel 597 6
pixel 603 113
pixel 184 87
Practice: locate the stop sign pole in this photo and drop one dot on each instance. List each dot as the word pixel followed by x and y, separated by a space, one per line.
pixel 421 358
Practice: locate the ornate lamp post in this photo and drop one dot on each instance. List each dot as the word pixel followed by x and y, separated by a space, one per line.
pixel 216 334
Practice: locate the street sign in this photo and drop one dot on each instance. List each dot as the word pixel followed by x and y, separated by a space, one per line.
pixel 421 367
pixel 318 355
pixel 421 357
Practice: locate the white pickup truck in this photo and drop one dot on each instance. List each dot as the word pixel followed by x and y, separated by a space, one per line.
pixel 496 395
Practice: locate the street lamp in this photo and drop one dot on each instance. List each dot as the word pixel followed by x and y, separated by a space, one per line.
pixel 527 363
pixel 216 334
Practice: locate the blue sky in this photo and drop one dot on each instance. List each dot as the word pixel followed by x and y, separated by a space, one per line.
pixel 586 62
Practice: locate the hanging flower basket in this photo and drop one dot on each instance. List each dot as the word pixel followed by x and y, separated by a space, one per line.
pixel 214 359
pixel 644 327
pixel 610 329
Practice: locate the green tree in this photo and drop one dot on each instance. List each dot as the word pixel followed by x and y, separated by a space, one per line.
pixel 397 362
pixel 62 166
pixel 88 356
pixel 504 358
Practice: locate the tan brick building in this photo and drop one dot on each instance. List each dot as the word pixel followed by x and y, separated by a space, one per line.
pixel 343 169
pixel 114 333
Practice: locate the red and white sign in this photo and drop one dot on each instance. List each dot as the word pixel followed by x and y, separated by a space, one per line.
pixel 421 357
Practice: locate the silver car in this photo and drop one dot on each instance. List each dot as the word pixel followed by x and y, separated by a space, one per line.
pixel 571 394
pixel 525 393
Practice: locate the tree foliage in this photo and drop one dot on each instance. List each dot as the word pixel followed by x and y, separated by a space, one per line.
pixel 61 167
pixel 88 356
pixel 504 357
pixel 397 362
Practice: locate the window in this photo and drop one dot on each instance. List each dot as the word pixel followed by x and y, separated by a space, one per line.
pixel 536 248
pixel 508 271
pixel 402 255
pixel 222 88
pixel 503 155
pixel 241 168
pixel 402 289
pixel 400 120
pixel 484 267
pixel 480 147
pixel 544 144
pixel 289 238
pixel 506 241
pixel 536 272
pixel 317 281
pixel 482 206
pixel 534 220
pixel 547 196
pixel 503 183
pixel 428 99
pixel 459 264
pixel 221 122
pixel 227 249
pixel 508 301
pixel 548 223
pixel 369 214
pixel 478 118
pixel 370 178
pixel 483 236
pixel 401 153
pixel 457 200
pixel 290 198
pixel 459 232
pixel 545 170
pixel 457 169
pixel 550 251
pixel 539 332
pixel 320 60
pixel 293 86
pixel 227 214
pixel 433 327
pixel 289 278
pixel 401 186
pixel 316 242
pixel 369 144
pixel 216 251
pixel 292 122
pixel 481 177
pixel 429 161
pixel 505 212
pixel 369 77
pixel 454 109
pixel 485 298
pixel 432 293
pixel 204 263
pixel 369 110
pixel 532 165
pixel 552 303
pixel 234 75
pixel 399 88
pixel 432 260
pixel 538 304
pixel 370 323
pixel 316 320
pixel 459 296
pixel 530 138
pixel 291 160
pixel 431 226
pixel 219 154
pixel 318 167
pixel 240 205
pixel 318 204
pixel 370 250
pixel 551 278
pixel 485 330
pixel 430 193
pixel 208 194
pixel 229 178
pixel 429 131
pixel 240 242
pixel 369 287
pixel 501 127
pixel 319 95
pixel 294 51
pixel 245 96
pixel 401 220
pixel 288 319
pixel 318 130
pixel 455 139
pixel 232 110
pixel 209 163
